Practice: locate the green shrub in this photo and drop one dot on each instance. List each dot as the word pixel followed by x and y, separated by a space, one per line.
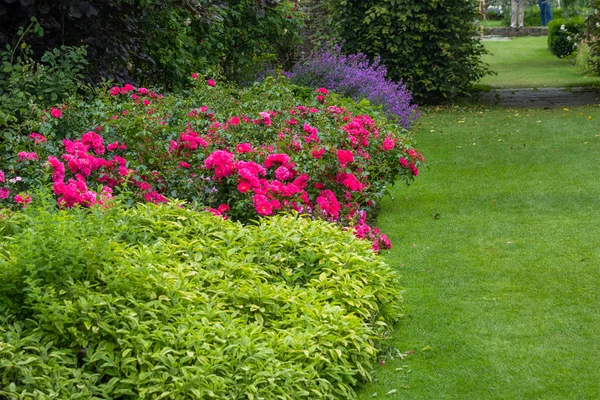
pixel 564 35
pixel 582 58
pixel 26 84
pixel 593 37
pixel 160 42
pixel 493 13
pixel 429 45
pixel 160 301
pixel 241 153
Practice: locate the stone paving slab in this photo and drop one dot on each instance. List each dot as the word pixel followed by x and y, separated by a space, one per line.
pixel 542 97
pixel 513 32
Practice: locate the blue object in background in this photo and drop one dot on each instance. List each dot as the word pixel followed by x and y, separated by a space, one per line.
pixel 545 11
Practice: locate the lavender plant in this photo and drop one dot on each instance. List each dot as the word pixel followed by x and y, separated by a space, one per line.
pixel 356 77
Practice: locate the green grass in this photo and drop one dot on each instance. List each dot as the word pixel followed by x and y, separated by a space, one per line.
pixel 491 23
pixel 527 62
pixel 503 289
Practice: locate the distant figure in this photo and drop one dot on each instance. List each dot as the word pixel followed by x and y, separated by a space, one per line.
pixel 545 11
pixel 517 11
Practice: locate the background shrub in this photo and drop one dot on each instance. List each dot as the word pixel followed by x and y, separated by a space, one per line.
pixel 493 13
pixel 159 300
pixel 564 35
pixel 593 21
pixel 429 45
pixel 26 84
pixel 159 42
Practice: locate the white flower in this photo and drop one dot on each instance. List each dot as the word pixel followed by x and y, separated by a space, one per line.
pixel 562 27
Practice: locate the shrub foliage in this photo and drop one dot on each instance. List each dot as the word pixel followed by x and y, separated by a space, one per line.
pixel 157 42
pixel 594 36
pixel 564 35
pixel 240 153
pixel 430 45
pixel 160 301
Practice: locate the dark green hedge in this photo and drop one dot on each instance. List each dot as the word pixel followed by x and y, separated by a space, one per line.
pixel 430 45
pixel 564 35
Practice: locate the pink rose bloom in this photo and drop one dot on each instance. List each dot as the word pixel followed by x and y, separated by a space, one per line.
pixel 114 91
pixel 223 208
pixel 414 169
pixel 243 148
pixel 27 156
pixel 127 88
pixel 282 173
pixel 4 192
pixel 262 204
pixel 412 153
pixel 38 138
pixel 320 99
pixel 323 91
pixel 185 165
pixel 56 113
pixel 146 102
pixel 234 121
pixel 403 162
pixel 210 83
pixel 1 176
pixel 194 76
pixel 244 186
pixel 344 157
pixel 113 146
pixel 318 153
pixel 385 242
pixel 25 199
pixel 143 90
pixel 388 144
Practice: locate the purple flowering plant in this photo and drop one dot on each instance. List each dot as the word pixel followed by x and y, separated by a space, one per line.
pixel 356 77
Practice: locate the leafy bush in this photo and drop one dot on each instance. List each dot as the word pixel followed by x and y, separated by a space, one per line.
pixel 217 149
pixel 429 45
pixel 593 36
pixel 493 13
pixel 582 57
pixel 26 84
pixel 160 301
pixel 564 35
pixel 355 77
pixel 159 42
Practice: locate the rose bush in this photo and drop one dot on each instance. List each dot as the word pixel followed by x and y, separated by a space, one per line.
pixel 216 151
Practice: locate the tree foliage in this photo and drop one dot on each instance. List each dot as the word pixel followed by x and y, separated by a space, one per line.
pixel 156 41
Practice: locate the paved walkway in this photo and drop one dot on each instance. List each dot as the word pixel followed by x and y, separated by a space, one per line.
pixel 514 32
pixel 543 97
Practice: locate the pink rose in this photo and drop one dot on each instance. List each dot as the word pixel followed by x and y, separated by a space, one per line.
pixel 344 157
pixel 56 113
pixel 210 83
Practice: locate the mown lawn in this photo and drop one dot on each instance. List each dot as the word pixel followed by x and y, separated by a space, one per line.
pixel 527 62
pixel 498 244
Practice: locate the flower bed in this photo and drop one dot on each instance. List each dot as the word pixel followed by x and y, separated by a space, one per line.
pixel 214 151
